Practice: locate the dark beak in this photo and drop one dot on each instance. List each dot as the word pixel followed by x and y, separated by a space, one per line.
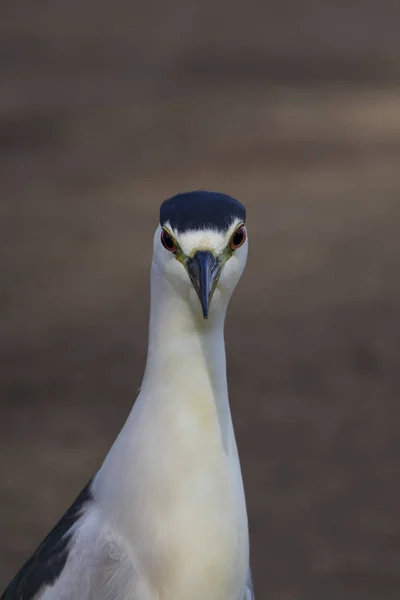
pixel 204 270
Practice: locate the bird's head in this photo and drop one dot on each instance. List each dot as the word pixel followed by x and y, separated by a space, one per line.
pixel 201 246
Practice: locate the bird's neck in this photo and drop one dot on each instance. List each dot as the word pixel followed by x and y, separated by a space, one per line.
pixel 180 420
pixel 186 362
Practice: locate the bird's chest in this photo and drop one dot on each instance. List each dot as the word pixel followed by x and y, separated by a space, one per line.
pixel 197 547
pixel 180 508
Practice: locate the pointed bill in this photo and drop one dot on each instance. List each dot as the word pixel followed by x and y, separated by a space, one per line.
pixel 204 270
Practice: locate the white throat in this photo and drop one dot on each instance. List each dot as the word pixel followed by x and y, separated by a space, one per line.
pixel 186 354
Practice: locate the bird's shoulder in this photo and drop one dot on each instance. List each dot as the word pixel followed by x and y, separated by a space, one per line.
pixel 47 562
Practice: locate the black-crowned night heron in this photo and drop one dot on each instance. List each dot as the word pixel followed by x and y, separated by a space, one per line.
pixel 165 516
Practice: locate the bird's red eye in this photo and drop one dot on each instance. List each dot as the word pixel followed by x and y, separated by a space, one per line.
pixel 238 238
pixel 167 241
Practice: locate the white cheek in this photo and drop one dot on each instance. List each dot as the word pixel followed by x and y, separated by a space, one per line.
pixel 232 270
pixel 175 271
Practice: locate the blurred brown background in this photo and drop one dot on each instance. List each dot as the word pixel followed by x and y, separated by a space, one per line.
pixel 107 108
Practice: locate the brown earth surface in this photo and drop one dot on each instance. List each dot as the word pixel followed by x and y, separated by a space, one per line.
pixel 105 110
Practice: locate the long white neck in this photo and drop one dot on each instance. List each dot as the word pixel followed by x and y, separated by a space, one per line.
pixel 183 401
pixel 186 354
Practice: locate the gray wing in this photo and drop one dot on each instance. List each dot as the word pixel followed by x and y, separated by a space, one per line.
pixel 48 561
pixel 249 594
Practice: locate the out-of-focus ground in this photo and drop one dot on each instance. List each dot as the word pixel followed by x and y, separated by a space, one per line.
pixel 108 108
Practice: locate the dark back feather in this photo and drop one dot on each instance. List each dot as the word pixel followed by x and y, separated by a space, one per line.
pixel 47 562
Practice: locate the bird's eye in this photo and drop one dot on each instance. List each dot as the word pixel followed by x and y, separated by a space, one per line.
pixel 167 241
pixel 238 238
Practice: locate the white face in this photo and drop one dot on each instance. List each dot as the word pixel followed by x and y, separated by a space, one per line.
pixel 228 258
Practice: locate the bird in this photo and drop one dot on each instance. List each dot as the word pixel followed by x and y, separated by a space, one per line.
pixel 164 517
